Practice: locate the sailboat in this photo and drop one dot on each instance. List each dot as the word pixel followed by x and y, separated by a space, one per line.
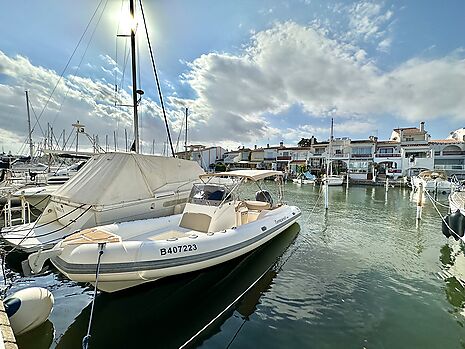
pixel 329 178
pixel 110 187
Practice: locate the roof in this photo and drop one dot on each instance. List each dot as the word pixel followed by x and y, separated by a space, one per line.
pixel 254 175
pixel 409 130
pixel 444 141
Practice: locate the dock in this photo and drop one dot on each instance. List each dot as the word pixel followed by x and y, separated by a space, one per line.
pixel 7 340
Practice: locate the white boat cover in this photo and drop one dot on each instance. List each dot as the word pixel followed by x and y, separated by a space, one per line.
pixel 122 177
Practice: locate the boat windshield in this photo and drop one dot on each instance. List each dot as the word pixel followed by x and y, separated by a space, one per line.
pixel 209 194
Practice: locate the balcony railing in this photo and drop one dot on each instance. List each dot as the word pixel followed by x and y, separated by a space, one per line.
pixel 449 167
pixel 361 156
pixel 387 155
pixel 283 158
pixel 453 152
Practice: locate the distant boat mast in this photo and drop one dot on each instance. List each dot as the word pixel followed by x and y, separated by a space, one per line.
pixel 31 147
pixel 134 79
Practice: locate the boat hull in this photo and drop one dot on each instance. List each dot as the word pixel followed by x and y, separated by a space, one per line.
pixel 131 263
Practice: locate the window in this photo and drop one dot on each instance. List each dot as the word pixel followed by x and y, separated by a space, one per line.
pixel 437 152
pixel 386 150
pixel 409 139
pixel 361 150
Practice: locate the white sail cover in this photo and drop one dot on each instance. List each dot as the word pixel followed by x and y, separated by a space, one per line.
pixel 113 178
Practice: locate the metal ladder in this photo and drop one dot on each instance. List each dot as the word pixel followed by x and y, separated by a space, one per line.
pixel 9 211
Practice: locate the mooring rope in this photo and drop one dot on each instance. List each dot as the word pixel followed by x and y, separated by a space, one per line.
pixel 442 217
pixel 85 340
pixel 237 299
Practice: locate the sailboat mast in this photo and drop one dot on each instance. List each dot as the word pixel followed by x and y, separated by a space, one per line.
pixel 31 149
pixel 134 79
pixel 185 141
pixel 331 147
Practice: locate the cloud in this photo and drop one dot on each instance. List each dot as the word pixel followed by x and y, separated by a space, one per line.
pixel 367 20
pixel 91 101
pixel 237 98
pixel 291 64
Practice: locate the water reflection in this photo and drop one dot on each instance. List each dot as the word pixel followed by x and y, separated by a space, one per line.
pixel 39 338
pixel 452 259
pixel 167 313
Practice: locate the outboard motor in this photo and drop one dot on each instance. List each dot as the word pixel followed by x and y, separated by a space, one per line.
pixel 456 222
pixel 264 196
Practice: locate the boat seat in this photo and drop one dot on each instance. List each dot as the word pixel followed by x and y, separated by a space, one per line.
pixel 91 236
pixel 257 205
pixel 195 221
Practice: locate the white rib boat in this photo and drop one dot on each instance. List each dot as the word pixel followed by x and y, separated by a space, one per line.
pixel 215 226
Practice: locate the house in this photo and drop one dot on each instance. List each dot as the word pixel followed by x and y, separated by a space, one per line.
pixel 416 153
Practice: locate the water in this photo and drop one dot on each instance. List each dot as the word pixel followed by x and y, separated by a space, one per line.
pixel 361 276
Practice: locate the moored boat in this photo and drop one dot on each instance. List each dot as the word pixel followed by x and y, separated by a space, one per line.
pixel 110 187
pixel 216 225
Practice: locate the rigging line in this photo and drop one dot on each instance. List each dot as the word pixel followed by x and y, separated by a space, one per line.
pixel 69 61
pixel 82 59
pixel 116 50
pixel 48 233
pixel 157 80
pixel 35 115
pixel 179 135
pixel 44 224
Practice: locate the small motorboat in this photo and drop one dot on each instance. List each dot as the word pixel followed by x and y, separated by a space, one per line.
pixel 304 178
pixel 216 225
pixel 333 180
pixel 432 181
pixel 28 308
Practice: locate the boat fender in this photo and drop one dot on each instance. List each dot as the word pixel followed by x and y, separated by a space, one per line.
pixel 28 308
pixel 456 222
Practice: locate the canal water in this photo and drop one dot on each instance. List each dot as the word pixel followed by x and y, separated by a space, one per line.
pixel 362 275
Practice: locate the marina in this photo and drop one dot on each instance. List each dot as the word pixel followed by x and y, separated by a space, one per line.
pixel 135 212
pixel 325 279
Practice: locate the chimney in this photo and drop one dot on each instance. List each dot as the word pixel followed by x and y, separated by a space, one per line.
pixel 255 147
pixel 422 126
pixel 267 145
pixel 281 144
pixel 312 140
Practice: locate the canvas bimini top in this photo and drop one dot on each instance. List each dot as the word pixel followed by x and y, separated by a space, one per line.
pixel 254 175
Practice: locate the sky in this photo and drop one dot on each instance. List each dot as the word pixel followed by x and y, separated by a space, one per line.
pixel 250 72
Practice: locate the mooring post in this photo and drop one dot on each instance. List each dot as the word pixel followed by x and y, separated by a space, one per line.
pixel 387 183
pixel 326 191
pixel 420 201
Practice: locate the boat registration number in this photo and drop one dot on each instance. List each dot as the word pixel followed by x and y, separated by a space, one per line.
pixel 178 249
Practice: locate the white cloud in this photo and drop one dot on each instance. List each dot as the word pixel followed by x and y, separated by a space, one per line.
pixel 367 20
pixel 290 64
pixel 90 101
pixel 237 96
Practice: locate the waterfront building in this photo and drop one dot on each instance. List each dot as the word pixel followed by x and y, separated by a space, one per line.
pixel 409 151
